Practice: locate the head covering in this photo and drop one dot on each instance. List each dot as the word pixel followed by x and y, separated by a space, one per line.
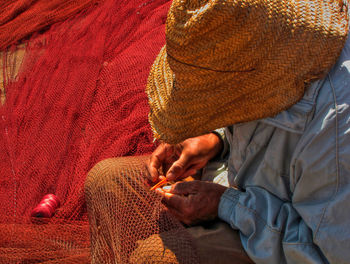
pixel 230 61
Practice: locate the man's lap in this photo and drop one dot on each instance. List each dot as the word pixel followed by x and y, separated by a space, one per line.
pixel 215 241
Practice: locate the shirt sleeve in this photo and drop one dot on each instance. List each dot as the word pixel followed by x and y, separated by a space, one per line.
pixel 220 132
pixel 314 226
pixel 271 230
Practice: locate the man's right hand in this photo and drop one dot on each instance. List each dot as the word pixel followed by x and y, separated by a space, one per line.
pixel 184 159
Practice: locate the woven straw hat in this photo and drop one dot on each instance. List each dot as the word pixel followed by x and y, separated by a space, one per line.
pixel 230 61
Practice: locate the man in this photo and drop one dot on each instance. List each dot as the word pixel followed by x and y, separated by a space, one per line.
pixel 266 68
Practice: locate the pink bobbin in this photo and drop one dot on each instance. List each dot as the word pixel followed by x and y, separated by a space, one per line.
pixel 47 207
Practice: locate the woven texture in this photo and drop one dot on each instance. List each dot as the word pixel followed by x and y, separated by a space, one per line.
pixel 128 221
pixel 79 97
pixel 227 62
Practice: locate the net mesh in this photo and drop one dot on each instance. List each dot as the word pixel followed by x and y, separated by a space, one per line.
pixel 128 221
pixel 36 15
pixel 78 98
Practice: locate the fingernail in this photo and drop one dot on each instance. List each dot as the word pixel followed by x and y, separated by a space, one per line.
pixel 170 176
pixel 166 188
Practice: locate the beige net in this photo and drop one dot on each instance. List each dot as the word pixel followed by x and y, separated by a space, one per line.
pixel 128 222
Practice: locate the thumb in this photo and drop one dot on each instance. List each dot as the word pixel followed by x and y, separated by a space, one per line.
pixel 178 168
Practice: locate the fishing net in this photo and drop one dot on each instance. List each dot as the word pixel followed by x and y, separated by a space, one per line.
pixel 19 19
pixel 128 222
pixel 76 98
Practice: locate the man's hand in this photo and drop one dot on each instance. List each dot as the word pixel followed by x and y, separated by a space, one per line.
pixel 193 201
pixel 184 159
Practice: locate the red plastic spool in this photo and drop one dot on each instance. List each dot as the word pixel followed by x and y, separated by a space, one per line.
pixel 46 207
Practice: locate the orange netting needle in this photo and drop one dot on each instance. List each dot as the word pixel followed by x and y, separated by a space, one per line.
pixel 160 184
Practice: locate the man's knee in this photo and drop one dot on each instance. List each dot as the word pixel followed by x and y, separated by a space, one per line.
pixel 101 176
pixel 106 172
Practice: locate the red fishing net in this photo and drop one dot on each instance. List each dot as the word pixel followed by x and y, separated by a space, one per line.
pixel 18 19
pixel 78 98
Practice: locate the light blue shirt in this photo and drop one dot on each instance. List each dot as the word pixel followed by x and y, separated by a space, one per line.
pixel 293 176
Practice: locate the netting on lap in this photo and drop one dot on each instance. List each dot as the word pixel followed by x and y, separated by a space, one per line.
pixel 128 221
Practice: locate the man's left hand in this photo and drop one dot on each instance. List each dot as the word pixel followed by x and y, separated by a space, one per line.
pixel 193 201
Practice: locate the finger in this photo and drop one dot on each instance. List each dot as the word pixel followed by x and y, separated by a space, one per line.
pixel 189 172
pixel 178 215
pixel 174 201
pixel 156 160
pixel 192 170
pixel 179 207
pixel 185 188
pixel 153 172
pixel 177 170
